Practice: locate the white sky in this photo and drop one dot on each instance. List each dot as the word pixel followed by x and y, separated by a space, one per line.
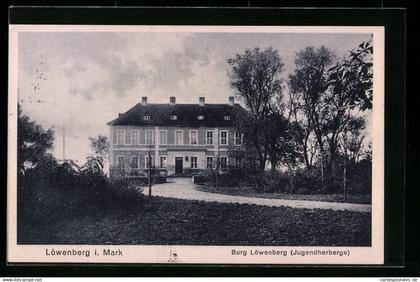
pixel 84 79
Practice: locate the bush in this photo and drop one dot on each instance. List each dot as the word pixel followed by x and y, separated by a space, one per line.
pixel 192 171
pixel 360 177
pixel 124 193
pixel 307 182
pixel 295 182
pixel 67 193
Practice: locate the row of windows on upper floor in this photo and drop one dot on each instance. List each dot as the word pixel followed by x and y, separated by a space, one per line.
pixel 175 117
pixel 179 138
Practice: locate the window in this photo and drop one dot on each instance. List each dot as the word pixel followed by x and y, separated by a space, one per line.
pixel 135 162
pixel 163 137
pixel 146 117
pixel 135 137
pixel 120 162
pixel 179 137
pixel 162 162
pixel 193 137
pixel 210 162
pixel 149 137
pixel 148 163
pixel 237 162
pixel 223 137
pixel 120 137
pixel 193 162
pixel 237 138
pixel 174 117
pixel 209 137
pixel 200 117
pixel 227 117
pixel 223 162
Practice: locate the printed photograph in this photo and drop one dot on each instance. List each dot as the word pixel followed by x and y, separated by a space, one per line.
pixel 194 138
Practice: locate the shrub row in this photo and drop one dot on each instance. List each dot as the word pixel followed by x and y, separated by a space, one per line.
pixel 297 182
pixel 66 193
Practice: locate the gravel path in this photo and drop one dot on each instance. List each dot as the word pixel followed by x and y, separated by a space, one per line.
pixel 183 188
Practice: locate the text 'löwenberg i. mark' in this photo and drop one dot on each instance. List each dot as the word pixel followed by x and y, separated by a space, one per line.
pixel 83 253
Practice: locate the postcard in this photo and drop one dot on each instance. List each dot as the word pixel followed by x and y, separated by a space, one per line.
pixel 196 144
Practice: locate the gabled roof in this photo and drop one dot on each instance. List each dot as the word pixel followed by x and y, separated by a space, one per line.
pixel 214 115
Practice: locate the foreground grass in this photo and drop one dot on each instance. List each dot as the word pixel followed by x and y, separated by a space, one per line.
pixel 170 221
pixel 249 192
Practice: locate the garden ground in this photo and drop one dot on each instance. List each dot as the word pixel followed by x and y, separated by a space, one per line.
pixel 183 188
pixel 172 221
pixel 249 192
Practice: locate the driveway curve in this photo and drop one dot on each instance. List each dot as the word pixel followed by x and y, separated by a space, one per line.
pixel 183 188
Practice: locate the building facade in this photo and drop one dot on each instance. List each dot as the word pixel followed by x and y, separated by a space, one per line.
pixel 179 138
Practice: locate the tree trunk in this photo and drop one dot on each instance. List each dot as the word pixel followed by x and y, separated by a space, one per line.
pixel 262 164
pixel 331 165
pixel 322 172
pixel 273 165
pixel 321 151
pixel 345 180
pixel 305 156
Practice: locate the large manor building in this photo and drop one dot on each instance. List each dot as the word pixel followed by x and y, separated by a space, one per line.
pixel 176 137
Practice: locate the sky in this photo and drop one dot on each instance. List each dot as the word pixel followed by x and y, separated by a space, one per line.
pixel 84 79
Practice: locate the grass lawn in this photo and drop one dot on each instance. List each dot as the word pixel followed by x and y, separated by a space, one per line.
pixel 249 192
pixel 171 221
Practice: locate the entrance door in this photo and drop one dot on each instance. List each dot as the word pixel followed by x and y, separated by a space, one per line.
pixel 178 165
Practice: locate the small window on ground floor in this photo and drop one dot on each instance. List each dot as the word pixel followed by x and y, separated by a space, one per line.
pixel 237 162
pixel 209 162
pixel 162 162
pixel 193 162
pixel 120 162
pixel 148 162
pixel 135 162
pixel 223 162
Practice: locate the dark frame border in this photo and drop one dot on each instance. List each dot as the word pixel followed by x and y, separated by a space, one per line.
pixel 394 22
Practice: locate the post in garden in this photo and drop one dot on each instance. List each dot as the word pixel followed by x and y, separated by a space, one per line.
pixel 150 174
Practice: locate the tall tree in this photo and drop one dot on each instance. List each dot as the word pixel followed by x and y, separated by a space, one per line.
pixel 328 95
pixel 34 144
pixel 308 84
pixel 255 78
pixel 349 92
pixel 283 148
pixel 303 134
pixel 100 147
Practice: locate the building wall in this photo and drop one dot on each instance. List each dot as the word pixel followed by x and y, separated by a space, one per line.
pixel 171 150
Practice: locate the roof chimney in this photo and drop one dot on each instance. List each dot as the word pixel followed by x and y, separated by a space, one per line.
pixel 144 100
pixel 172 100
pixel 231 101
pixel 201 101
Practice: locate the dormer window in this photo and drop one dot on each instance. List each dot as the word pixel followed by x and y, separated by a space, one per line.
pixel 173 117
pixel 227 117
pixel 200 117
pixel 146 117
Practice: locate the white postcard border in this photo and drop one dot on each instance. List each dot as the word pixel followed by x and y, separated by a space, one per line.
pixel 203 254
